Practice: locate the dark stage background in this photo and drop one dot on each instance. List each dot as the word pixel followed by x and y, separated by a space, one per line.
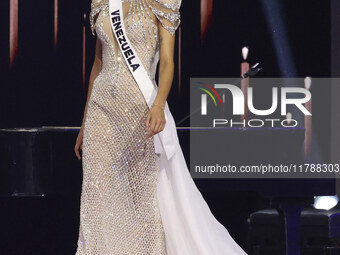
pixel 46 86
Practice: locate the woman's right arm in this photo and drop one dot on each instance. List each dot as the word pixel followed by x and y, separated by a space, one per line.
pixel 96 68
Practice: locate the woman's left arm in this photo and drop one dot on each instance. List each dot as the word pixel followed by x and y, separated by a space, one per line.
pixel 155 120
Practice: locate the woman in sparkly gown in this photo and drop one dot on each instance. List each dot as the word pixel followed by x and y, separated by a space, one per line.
pixel 129 204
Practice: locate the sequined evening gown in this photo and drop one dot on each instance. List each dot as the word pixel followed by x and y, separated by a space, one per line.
pixel 132 201
pixel 119 212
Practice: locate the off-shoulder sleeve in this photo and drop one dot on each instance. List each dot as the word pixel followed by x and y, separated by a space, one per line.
pixel 96 7
pixel 167 12
pixel 94 10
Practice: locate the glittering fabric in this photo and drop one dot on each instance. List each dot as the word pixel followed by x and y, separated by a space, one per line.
pixel 119 213
pixel 166 11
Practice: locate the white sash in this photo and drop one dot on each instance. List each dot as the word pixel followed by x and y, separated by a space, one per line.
pixel 165 141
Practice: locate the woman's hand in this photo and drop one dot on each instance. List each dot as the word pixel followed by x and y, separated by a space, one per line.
pixel 155 120
pixel 79 143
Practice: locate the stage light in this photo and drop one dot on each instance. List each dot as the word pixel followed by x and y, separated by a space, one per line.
pixel 274 12
pixel 325 202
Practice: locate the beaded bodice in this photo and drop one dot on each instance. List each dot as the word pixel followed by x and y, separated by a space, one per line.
pixel 166 11
pixel 140 19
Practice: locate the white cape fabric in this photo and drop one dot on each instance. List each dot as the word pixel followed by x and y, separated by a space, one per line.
pixel 190 227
